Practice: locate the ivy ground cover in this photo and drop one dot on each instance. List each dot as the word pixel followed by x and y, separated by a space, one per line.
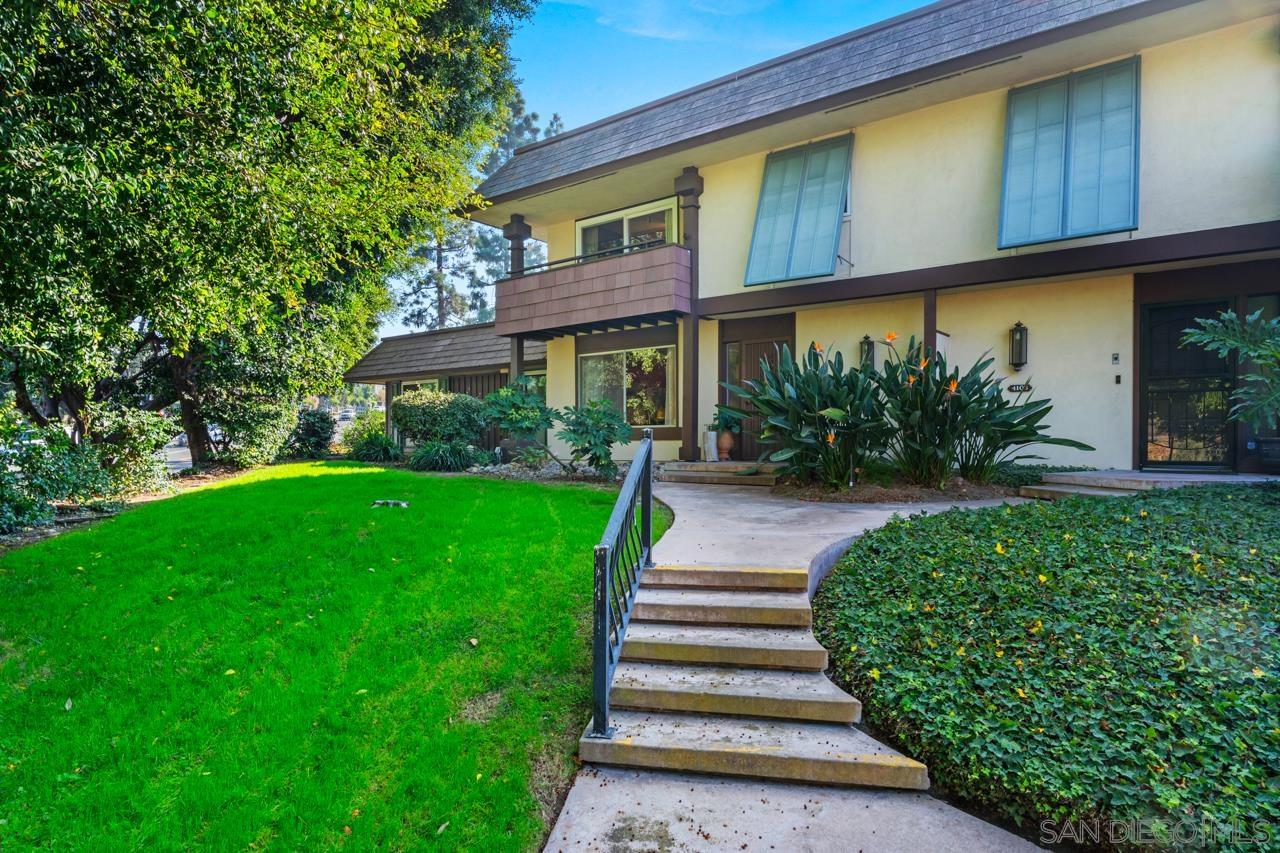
pixel 271 662
pixel 1095 658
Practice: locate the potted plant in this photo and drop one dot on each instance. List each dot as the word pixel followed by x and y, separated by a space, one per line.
pixel 725 425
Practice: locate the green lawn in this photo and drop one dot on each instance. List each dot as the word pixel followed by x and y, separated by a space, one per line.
pixel 271 662
pixel 1102 657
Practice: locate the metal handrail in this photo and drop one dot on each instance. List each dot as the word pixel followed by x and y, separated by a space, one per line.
pixel 616 251
pixel 624 552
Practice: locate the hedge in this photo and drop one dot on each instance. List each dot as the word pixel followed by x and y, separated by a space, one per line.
pixel 1113 658
pixel 430 415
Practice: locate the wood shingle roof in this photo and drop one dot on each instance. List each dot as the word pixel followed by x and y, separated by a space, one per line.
pixel 461 349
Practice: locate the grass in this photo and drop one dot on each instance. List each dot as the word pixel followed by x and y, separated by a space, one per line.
pixel 1101 658
pixel 272 662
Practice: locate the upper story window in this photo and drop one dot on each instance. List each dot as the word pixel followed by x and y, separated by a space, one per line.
pixel 639 227
pixel 1071 156
pixel 802 203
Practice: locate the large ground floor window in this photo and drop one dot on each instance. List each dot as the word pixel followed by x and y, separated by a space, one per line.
pixel 641 383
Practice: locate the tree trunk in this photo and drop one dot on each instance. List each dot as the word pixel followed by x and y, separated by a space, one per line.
pixel 193 423
pixel 441 300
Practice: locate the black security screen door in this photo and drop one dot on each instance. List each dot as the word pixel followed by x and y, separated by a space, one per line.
pixel 1186 393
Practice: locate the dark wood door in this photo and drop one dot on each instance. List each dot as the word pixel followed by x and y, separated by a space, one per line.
pixel 743 344
pixel 480 385
pixel 1186 392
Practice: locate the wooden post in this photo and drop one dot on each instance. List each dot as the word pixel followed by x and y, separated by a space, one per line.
pixel 517 231
pixel 931 321
pixel 517 358
pixel 688 190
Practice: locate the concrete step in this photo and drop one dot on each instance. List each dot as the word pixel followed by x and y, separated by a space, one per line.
pixel 725 577
pixel 733 691
pixel 717 607
pixel 1053 492
pixel 799 752
pixel 764 648
pixel 724 467
pixel 713 479
pixel 1146 480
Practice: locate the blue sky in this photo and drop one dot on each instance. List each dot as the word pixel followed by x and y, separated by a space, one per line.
pixel 587 59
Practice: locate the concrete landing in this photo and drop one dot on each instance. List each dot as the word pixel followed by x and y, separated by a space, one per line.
pixel 611 810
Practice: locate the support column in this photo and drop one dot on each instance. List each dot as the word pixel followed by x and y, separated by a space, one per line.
pixel 517 231
pixel 517 358
pixel 931 320
pixel 688 191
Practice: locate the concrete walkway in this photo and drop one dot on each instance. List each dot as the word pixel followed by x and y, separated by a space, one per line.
pixel 617 809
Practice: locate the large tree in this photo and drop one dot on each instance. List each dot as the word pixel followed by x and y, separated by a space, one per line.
pixel 454 270
pixel 189 178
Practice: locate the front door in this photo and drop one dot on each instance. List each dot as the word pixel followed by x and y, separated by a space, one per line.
pixel 1186 392
pixel 743 344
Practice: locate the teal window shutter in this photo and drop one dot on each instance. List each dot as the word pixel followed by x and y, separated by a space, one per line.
pixel 1071 157
pixel 802 195
pixel 826 179
pixel 1104 122
pixel 776 216
pixel 1034 158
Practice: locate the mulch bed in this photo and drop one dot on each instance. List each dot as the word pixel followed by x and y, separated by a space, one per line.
pixel 894 492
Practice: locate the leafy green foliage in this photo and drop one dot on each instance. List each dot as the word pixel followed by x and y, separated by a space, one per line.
pixel 927 420
pixel 829 422
pixel 530 456
pixel 375 447
pixel 313 434
pixel 367 424
pixel 431 415
pixel 1087 657
pixel 591 431
pixel 308 643
pixel 1014 475
pixel 1256 343
pixel 520 410
pixel 445 456
pixel 193 190
pixel 130 448
pixel 39 466
pixel 253 430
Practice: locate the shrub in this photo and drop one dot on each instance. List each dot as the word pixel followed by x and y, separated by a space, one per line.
pixel 376 447
pixel 39 466
pixel 1257 344
pixel 829 422
pixel 523 413
pixel 445 456
pixel 130 442
pixel 591 431
pixel 431 415
pixel 253 431
pixel 313 434
pixel 1110 658
pixel 365 425
pixel 530 456
pixel 1013 475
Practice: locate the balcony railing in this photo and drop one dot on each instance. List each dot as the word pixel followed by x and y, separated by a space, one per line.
pixel 595 290
pixel 590 256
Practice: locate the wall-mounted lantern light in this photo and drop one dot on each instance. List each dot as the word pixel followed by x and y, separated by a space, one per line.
pixel 867 352
pixel 1018 346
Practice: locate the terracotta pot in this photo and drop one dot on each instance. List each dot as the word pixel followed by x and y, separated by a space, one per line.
pixel 724 445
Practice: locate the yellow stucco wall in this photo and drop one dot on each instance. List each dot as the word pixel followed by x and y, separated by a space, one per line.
pixel 926 185
pixel 841 327
pixel 1075 327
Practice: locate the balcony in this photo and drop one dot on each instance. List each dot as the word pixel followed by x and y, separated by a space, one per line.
pixel 608 291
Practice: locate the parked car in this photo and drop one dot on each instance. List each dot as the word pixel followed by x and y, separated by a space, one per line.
pixel 346 415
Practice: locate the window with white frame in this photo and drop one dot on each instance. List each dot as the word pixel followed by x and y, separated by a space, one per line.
pixel 640 383
pixel 641 227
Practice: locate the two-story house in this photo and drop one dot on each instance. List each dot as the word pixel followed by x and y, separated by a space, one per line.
pixel 1067 184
